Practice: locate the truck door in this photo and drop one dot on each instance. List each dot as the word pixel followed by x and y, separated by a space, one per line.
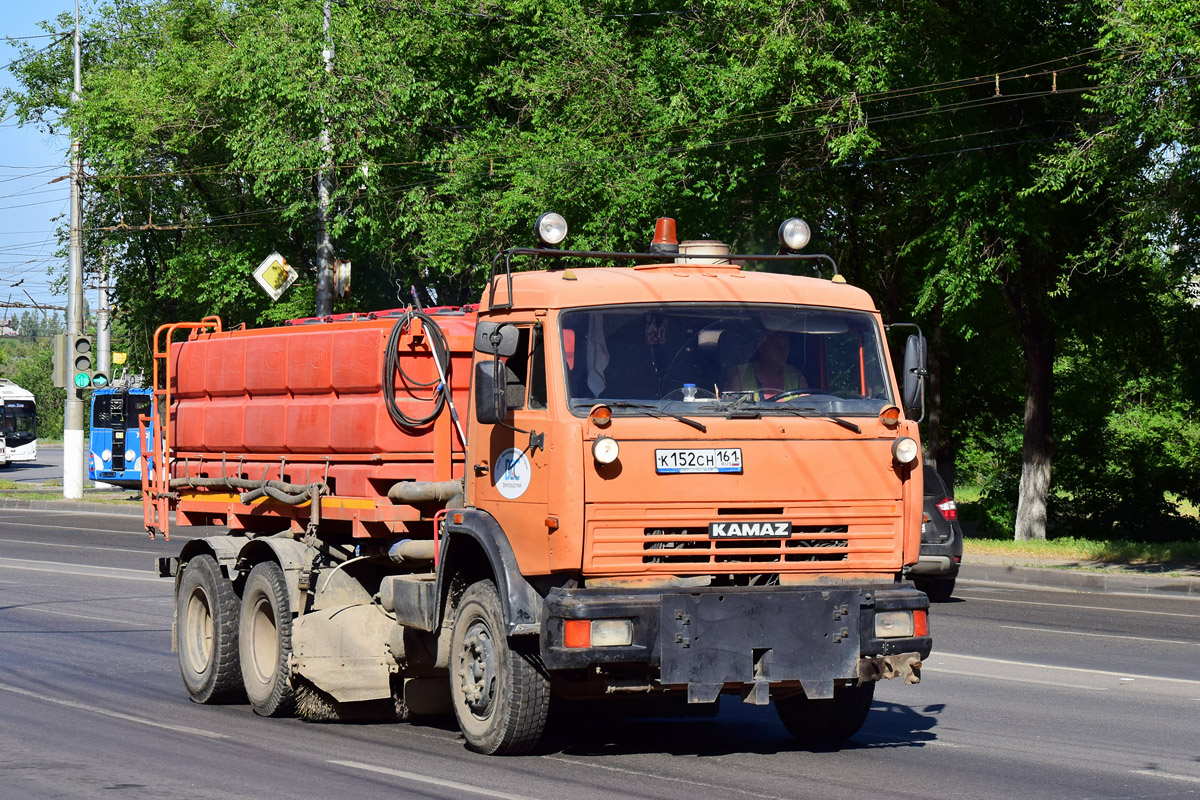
pixel 509 468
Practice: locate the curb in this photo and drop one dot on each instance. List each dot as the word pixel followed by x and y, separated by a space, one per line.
pixel 82 506
pixel 1081 581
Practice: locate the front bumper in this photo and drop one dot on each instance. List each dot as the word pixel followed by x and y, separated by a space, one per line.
pixel 709 639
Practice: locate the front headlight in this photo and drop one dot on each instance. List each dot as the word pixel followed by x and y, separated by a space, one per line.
pixel 905 450
pixel 605 450
pixel 894 624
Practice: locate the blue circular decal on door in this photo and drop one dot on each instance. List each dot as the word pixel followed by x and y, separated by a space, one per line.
pixel 512 472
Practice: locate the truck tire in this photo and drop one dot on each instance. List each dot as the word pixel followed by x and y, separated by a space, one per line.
pixel 938 590
pixel 265 641
pixel 500 693
pixel 206 613
pixel 826 722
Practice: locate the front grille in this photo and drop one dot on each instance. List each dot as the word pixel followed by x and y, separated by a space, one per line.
pixel 673 539
pixel 692 546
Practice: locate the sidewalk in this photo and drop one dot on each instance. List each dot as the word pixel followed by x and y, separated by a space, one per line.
pixel 1083 576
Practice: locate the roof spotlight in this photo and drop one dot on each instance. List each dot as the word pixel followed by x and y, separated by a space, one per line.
pixel 550 228
pixel 794 234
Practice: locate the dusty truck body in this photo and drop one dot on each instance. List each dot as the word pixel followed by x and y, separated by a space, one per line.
pixel 569 491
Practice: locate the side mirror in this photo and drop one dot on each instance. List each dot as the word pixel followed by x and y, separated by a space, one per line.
pixel 496 339
pixel 914 376
pixel 491 392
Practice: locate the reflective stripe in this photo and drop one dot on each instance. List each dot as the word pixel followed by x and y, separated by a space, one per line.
pixel 749 380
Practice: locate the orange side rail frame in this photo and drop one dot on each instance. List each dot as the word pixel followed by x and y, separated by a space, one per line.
pixel 156 483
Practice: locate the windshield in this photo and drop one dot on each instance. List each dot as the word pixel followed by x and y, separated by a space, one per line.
pixel 19 421
pixel 705 358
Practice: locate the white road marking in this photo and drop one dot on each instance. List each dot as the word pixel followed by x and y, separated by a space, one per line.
pixel 1169 776
pixel 82 546
pixel 78 616
pixel 413 776
pixel 79 569
pixel 1011 679
pixel 114 714
pixel 729 789
pixel 1101 635
pixel 1074 605
pixel 1082 670
pixel 60 527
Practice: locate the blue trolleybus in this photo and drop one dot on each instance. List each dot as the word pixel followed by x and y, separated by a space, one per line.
pixel 116 441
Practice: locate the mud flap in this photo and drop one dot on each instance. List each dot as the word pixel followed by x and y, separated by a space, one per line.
pixel 711 639
pixel 343 651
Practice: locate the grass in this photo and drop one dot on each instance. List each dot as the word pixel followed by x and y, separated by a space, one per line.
pixel 1120 551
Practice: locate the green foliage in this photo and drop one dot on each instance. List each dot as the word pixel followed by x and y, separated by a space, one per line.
pixel 1025 187
pixel 1147 555
pixel 27 362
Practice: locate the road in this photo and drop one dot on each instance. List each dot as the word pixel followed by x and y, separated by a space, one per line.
pixel 48 468
pixel 1030 693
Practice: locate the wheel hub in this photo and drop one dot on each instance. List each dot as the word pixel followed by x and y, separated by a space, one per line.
pixel 479 669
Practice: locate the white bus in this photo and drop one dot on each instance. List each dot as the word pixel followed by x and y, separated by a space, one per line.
pixel 18 423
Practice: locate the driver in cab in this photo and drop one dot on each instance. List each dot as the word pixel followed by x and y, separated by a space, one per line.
pixel 768 374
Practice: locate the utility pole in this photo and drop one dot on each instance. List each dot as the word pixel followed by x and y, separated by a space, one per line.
pixel 73 456
pixel 104 324
pixel 324 243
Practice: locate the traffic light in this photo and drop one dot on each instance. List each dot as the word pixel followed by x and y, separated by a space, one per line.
pixel 61 376
pixel 82 355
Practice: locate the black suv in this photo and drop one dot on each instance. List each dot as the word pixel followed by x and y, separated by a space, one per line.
pixel 941 541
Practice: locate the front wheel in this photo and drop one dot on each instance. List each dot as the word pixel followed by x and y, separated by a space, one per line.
pixel 265 639
pixel 500 695
pixel 206 615
pixel 826 722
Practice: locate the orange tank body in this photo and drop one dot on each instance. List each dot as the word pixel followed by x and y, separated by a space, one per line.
pixel 304 403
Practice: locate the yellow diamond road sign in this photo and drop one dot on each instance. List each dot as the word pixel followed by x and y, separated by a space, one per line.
pixel 275 275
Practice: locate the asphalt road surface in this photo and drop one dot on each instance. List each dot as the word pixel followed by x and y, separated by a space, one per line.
pixel 1030 693
pixel 48 468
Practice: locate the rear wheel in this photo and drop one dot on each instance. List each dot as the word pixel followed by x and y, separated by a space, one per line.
pixel 824 722
pixel 500 694
pixel 206 614
pixel 937 589
pixel 265 638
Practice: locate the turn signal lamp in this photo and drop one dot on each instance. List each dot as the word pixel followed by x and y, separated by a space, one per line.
pixel 578 633
pixel 890 417
pixel 550 228
pixel 601 416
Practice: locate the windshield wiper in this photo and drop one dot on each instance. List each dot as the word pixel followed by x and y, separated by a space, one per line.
pixel 812 412
pixel 655 411
pixel 735 410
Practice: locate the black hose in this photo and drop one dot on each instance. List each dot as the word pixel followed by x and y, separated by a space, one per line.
pixel 391 366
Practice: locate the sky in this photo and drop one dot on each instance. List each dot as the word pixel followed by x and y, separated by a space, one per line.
pixel 31 206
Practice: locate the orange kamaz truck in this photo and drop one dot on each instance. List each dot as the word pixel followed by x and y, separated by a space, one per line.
pixel 664 473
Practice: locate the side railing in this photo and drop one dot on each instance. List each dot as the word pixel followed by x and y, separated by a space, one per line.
pixel 156 482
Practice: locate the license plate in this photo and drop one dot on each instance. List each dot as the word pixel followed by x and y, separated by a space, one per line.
pixel 749 530
pixel 672 462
